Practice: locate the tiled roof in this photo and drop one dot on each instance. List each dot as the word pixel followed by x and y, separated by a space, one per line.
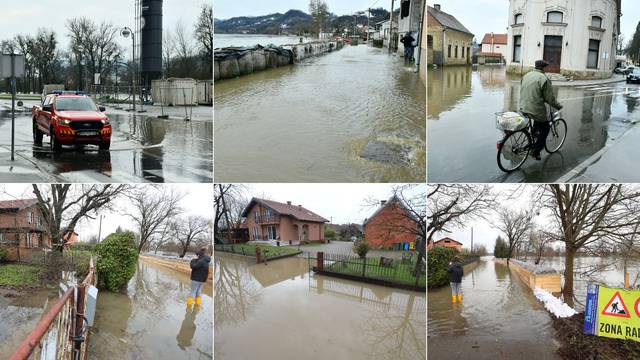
pixel 497 39
pixel 17 204
pixel 446 20
pixel 447 238
pixel 295 211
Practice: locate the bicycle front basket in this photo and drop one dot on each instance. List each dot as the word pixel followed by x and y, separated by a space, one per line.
pixel 511 121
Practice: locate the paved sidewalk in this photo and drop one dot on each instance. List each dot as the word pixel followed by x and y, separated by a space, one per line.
pixel 614 79
pixel 195 113
pixel 21 170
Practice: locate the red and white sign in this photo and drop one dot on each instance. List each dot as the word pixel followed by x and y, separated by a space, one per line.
pixel 637 307
pixel 616 307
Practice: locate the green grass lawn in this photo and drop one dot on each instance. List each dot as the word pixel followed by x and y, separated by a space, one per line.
pixel 399 272
pixel 5 96
pixel 19 275
pixel 269 251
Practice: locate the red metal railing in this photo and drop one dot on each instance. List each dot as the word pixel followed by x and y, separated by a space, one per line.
pixel 61 331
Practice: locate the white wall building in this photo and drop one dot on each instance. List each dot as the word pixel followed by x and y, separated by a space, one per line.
pixel 577 37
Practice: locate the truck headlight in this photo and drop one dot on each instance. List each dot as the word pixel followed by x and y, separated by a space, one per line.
pixel 64 121
pixel 105 122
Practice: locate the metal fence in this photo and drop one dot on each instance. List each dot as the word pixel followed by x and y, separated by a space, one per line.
pixel 401 271
pixel 62 333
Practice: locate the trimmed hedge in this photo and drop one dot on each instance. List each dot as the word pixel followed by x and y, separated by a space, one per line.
pixel 117 259
pixel 438 259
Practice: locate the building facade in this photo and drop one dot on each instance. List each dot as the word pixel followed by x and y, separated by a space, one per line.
pixel 23 230
pixel 578 38
pixel 448 41
pixel 409 22
pixel 271 220
pixel 391 226
pixel 493 49
pixel 447 243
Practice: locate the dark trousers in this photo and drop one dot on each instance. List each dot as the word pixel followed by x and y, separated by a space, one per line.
pixel 541 129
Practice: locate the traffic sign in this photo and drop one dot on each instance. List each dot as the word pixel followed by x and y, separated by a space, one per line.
pixel 616 307
pixel 5 65
pixel 606 313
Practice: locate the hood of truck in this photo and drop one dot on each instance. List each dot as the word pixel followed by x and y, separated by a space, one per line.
pixel 82 115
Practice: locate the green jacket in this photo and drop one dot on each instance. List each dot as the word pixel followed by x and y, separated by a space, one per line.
pixel 535 91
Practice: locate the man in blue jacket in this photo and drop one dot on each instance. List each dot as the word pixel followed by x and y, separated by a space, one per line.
pixel 199 275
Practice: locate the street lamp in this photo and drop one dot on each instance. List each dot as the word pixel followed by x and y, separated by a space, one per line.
pixel 126 31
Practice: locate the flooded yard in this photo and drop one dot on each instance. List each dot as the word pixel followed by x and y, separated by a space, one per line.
pixel 353 115
pixel 288 312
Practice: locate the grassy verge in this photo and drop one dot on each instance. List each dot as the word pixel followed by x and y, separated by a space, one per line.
pixel 269 251
pixel 20 97
pixel 19 275
pixel 398 272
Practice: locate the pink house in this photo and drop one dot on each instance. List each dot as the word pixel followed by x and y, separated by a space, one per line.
pixel 271 220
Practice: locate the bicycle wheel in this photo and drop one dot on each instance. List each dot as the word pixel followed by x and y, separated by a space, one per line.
pixel 514 151
pixel 557 136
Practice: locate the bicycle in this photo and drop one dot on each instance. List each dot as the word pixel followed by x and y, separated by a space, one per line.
pixel 515 146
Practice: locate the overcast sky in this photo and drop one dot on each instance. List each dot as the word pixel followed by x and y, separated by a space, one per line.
pixel 26 16
pixel 225 9
pixel 485 16
pixel 344 203
pixel 198 200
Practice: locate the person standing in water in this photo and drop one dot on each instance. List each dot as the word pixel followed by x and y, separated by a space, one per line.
pixel 455 271
pixel 199 275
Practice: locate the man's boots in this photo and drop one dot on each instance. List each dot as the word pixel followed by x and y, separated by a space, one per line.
pixel 454 298
pixel 459 298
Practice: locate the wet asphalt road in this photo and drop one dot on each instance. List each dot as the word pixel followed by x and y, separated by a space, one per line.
pixel 143 149
pixel 462 133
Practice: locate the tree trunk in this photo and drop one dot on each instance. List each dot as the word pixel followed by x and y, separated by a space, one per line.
pixel 567 290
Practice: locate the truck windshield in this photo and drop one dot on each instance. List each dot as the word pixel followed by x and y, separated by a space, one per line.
pixel 75 103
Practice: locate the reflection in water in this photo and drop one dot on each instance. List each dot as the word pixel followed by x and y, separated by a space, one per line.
pixel 283 300
pixel 462 109
pixel 143 322
pixel 311 121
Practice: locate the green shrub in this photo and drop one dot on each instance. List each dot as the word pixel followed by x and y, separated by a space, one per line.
pixel 3 254
pixel 117 258
pixel 83 247
pixel 361 248
pixel 438 259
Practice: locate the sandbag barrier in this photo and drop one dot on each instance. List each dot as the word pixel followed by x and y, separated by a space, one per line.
pixel 544 279
pixel 232 62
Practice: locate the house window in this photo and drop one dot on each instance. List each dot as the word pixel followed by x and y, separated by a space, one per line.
pixel 271 232
pixel 456 51
pixel 405 9
pixel 39 220
pixel 554 17
pixel 449 51
pixel 594 51
pixel 29 240
pixel 463 52
pixel 518 19
pixel 256 216
pixel 1 237
pixel 596 22
pixel 40 245
pixel 429 41
pixel 29 217
pixel 256 233
pixel 517 48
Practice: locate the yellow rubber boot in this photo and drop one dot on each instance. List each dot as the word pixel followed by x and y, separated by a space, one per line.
pixel 198 300
pixel 460 298
pixel 454 298
pixel 189 301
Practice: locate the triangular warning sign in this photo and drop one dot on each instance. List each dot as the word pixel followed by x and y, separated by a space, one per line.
pixel 616 307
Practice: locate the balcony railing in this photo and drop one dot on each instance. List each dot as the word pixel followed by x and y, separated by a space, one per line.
pixel 273 219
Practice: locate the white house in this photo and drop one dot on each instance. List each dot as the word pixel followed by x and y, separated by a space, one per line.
pixel 577 37
pixel 495 44
pixel 410 17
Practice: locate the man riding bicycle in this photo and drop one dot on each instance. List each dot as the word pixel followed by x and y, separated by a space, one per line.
pixel 535 92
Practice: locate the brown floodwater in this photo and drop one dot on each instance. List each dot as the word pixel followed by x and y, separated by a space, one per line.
pixel 150 320
pixel 310 122
pixel 499 318
pixel 282 311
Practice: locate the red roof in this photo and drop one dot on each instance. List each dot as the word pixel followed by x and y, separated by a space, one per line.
pixel 450 239
pixel 17 204
pixel 296 211
pixel 497 39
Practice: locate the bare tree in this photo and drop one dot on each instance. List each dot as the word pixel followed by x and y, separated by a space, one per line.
pixel 168 51
pixel 189 230
pixel 64 205
pixel 152 208
pixel 516 226
pixel 229 201
pixel 185 50
pixel 587 214
pixel 204 31
pixel 319 11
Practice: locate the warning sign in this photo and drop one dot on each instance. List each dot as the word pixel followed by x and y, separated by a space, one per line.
pixel 607 313
pixel 616 307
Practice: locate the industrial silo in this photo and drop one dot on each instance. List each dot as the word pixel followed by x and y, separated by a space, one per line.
pixel 151 41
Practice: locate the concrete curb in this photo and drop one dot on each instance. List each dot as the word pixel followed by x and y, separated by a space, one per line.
pixel 579 169
pixel 594 83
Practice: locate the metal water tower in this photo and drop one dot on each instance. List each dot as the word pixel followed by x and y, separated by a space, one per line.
pixel 149 21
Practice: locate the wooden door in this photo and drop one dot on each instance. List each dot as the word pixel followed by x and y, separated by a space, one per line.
pixel 553 52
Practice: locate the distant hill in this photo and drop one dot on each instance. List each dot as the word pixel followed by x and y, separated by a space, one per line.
pixel 293 22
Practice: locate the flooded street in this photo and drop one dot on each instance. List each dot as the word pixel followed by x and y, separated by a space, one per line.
pixel 462 133
pixel 143 149
pixel 290 313
pixel 239 40
pixel 499 318
pixel 150 320
pixel 310 122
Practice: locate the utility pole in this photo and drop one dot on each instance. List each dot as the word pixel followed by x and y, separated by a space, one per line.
pixel 13 104
pixel 471 240
pixel 391 26
pixel 368 23
pixel 100 230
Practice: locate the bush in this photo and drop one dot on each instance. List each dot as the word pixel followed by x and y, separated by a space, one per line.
pixel 83 247
pixel 3 254
pixel 117 258
pixel 438 259
pixel 361 248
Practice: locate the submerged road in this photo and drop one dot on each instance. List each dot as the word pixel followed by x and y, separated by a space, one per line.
pixel 143 149
pixel 311 122
pixel 499 318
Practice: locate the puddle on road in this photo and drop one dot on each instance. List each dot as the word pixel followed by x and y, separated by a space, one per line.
pixel 462 107
pixel 286 310
pixel 499 318
pixel 313 121
pixel 151 321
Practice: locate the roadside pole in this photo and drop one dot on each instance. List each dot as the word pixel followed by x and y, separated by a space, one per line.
pixel 391 26
pixel 12 66
pixel 13 105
